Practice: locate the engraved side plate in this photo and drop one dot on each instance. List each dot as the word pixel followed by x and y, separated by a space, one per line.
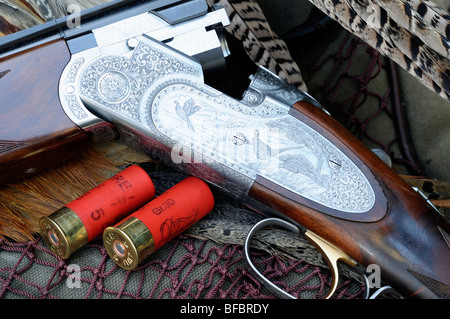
pixel 156 94
pixel 262 140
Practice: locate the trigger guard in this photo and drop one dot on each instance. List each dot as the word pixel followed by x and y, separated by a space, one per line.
pixel 270 285
pixel 263 223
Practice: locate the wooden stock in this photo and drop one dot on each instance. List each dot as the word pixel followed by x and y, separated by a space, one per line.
pixel 402 234
pixel 35 133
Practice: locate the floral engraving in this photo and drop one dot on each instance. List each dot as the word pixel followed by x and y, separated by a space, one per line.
pixel 113 86
pixel 119 82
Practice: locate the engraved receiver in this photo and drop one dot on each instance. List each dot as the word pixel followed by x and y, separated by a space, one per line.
pixel 38 69
pixel 276 149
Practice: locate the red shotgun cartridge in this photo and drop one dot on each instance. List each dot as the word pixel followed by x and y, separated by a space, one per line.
pixel 165 217
pixel 86 217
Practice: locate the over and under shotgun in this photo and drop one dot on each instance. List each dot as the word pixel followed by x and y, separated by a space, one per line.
pixel 136 69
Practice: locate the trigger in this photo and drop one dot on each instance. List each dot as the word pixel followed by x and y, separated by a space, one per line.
pixel 331 255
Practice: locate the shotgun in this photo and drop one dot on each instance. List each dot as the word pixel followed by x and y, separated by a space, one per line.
pixel 137 69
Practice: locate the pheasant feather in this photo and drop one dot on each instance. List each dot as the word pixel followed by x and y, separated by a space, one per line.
pixel 386 23
pixel 382 32
pixel 263 46
pixel 431 29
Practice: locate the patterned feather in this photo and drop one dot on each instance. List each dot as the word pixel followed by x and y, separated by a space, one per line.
pixel 430 27
pixel 432 13
pixel 424 56
pixel 396 42
pixel 22 14
pixel 263 46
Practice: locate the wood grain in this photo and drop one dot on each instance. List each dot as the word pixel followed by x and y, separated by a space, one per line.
pixel 35 133
pixel 401 233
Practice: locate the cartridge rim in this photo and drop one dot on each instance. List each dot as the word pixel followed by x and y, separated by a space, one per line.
pixel 128 243
pixel 63 232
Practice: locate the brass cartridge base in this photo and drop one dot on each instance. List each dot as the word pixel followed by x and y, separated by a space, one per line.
pixel 128 243
pixel 63 232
